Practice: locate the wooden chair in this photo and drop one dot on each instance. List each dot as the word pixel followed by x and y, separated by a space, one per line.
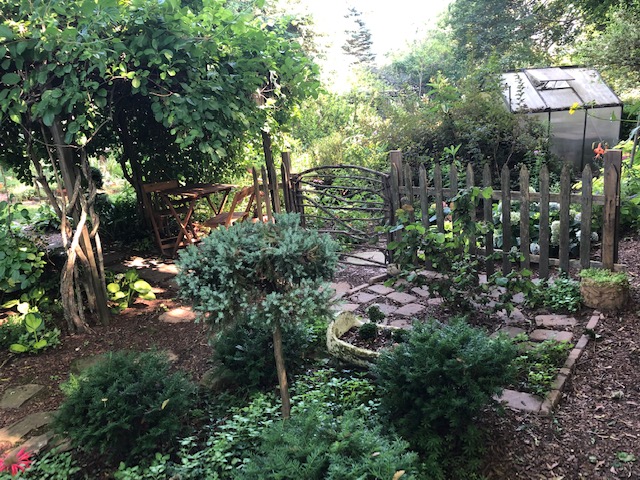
pixel 164 228
pixel 232 216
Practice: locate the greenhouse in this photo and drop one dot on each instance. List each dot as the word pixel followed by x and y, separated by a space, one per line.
pixel 579 107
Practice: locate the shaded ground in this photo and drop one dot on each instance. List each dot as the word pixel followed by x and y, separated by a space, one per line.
pixel 597 423
pixel 593 431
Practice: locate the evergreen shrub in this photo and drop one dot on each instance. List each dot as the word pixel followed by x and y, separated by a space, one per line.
pixel 316 445
pixel 244 353
pixel 126 406
pixel 433 386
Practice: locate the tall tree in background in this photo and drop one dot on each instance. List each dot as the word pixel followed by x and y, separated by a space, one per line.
pixel 359 42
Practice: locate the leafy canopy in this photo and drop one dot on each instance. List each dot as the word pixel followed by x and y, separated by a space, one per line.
pixel 163 78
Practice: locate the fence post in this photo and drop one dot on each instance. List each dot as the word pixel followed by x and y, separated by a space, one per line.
pixel 525 236
pixel 586 211
pixel 505 186
pixel 612 168
pixel 395 158
pixel 565 201
pixel 285 173
pixel 543 265
pixel 487 208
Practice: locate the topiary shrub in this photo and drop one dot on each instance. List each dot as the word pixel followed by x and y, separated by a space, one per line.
pixel 261 274
pixel 318 446
pixel 244 353
pixel 434 385
pixel 126 406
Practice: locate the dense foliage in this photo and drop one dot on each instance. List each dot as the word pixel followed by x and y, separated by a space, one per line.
pixel 243 354
pixel 316 446
pixel 433 386
pixel 126 406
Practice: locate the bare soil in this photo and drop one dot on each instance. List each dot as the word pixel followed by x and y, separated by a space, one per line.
pixel 595 425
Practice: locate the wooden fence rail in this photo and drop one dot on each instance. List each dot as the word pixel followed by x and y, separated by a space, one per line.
pixel 432 193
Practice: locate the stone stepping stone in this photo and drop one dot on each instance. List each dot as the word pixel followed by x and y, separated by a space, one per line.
pixel 79 365
pixel 386 308
pixel 35 444
pixel 16 432
pixel 520 400
pixel 341 288
pixel 366 258
pixel 381 289
pixel 15 397
pixel 540 335
pixel 410 309
pixel 402 298
pixel 435 301
pixel 346 307
pixel 364 297
pixel 512 332
pixel 552 321
pixel 421 291
pixel 178 315
pixel 406 324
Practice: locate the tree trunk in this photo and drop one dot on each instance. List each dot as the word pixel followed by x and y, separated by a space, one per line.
pixel 84 245
pixel 282 372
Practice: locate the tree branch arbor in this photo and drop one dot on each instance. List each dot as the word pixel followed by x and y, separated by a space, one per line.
pixel 170 88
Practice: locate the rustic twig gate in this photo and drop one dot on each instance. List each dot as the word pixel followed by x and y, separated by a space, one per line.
pixel 351 201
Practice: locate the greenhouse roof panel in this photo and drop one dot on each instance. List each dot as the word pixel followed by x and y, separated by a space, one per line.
pixel 552 89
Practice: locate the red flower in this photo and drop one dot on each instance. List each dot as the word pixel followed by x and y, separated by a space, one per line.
pixel 599 151
pixel 16 462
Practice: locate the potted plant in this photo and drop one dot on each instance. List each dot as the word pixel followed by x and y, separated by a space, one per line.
pixel 604 289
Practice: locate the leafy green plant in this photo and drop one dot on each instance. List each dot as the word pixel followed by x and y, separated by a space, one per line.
pixel 127 406
pixel 316 445
pixel 21 261
pixel 604 276
pixel 434 385
pixel 50 466
pixel 30 322
pixel 561 295
pixel 538 365
pixel 124 287
pixel 334 391
pixel 242 352
pixel 452 253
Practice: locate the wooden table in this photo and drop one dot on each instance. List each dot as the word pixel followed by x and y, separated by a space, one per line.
pixel 190 195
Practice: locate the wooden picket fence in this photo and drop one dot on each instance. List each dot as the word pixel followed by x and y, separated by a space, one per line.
pixel 430 191
pixel 387 192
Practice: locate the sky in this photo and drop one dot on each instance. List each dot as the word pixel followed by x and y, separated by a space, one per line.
pixel 394 24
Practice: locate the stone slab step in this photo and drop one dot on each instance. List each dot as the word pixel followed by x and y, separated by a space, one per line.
pixel 16 397
pixel 19 430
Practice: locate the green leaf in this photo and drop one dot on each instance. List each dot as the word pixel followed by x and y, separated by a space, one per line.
pixel 6 32
pixel 48 118
pixel 141 286
pixel 131 275
pixel 136 82
pixel 626 457
pixel 40 344
pixel 148 296
pixel 32 322
pixel 502 281
pixel 10 303
pixel 10 78
pixel 118 295
pixel 113 287
pixel 17 348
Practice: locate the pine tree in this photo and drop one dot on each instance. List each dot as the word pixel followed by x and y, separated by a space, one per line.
pixel 359 42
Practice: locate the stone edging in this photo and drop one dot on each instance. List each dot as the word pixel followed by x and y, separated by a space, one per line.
pixel 553 397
